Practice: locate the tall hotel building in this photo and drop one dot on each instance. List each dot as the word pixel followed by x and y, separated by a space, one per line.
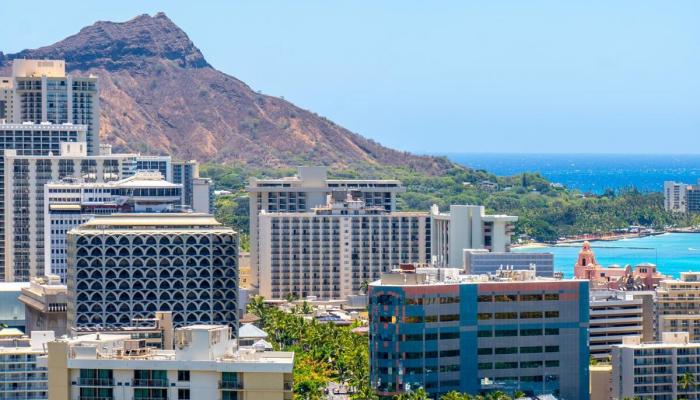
pixel 24 200
pixel 27 139
pixel 69 203
pixel 40 91
pixel 435 329
pixel 330 251
pixel 127 266
pixel 304 192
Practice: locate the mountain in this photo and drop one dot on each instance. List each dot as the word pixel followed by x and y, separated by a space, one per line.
pixel 160 95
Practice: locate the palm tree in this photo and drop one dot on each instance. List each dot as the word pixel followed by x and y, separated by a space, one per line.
pixel 257 307
pixel 306 308
pixel 687 382
pixel 364 287
pixel 518 394
pixel 418 394
pixel 454 395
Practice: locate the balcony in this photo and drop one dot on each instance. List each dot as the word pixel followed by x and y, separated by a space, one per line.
pixel 152 383
pixel 96 382
pixel 230 385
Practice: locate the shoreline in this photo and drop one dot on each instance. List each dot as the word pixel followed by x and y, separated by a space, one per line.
pixel 603 238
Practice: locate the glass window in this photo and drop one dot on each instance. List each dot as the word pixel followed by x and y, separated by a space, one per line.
pixel 183 376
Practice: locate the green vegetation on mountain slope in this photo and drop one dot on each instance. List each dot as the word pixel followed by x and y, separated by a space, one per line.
pixel 546 211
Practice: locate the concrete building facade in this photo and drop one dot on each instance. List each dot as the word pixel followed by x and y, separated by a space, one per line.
pixel 45 305
pixel 442 331
pixel 204 365
pixel 304 192
pixel 331 251
pixel 468 227
pixel 123 267
pixel 655 370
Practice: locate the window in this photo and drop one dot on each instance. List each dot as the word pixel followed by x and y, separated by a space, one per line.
pixel 506 332
pixel 551 331
pixel 413 320
pixel 531 314
pixel 484 351
pixel 183 394
pixel 506 350
pixel 449 353
pixel 551 349
pixel 506 365
pixel 506 297
pixel 183 376
pixel 551 296
pixel 530 297
pixel 530 364
pixel 483 316
pixel 485 365
pixel 484 299
pixel 484 333
pixel 449 317
pixel 551 363
pixel 506 315
pixel 449 335
pixel 531 332
pixel 531 349
pixel 551 314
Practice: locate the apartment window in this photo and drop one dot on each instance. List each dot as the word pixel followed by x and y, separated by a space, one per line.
pixel 506 332
pixel 551 349
pixel 506 365
pixel 506 297
pixel 530 297
pixel 551 314
pixel 485 351
pixel 449 317
pixel 484 333
pixel 183 394
pixel 483 316
pixel 449 335
pixel 551 331
pixel 506 315
pixel 531 332
pixel 485 299
pixel 551 296
pixel 183 376
pixel 506 350
pixel 530 364
pixel 551 363
pixel 531 314
pixel 531 349
pixel 485 365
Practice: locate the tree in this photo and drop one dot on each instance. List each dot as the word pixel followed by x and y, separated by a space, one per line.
pixel 364 287
pixel 257 307
pixel 418 394
pixel 687 382
pixel 454 395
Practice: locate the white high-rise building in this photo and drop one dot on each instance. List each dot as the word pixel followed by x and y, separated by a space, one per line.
pixel 467 227
pixel 40 91
pixel 23 183
pixel 304 192
pixel 331 251
pixel 205 364
pixel 32 140
pixel 678 305
pixel 69 203
pixel 675 196
pixel 656 370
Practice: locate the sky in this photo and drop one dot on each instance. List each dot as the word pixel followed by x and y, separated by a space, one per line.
pixel 445 76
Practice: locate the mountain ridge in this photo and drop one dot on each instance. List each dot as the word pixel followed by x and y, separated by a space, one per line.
pixel 160 95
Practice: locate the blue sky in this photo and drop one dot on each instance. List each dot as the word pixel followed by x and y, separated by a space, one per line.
pixel 464 76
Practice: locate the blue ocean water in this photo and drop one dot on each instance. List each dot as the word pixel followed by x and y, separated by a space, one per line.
pixel 672 253
pixel 592 172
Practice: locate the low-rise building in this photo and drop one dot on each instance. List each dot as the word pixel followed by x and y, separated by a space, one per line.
pixel 21 377
pixel 45 305
pixel 205 364
pixel 442 331
pixel 656 370
pixel 601 382
pixel 482 261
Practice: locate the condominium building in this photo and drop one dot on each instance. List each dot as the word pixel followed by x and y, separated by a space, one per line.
pixel 468 227
pixel 69 203
pixel 656 370
pixel 45 305
pixel 692 198
pixel 331 251
pixel 31 139
pixel 202 196
pixel 615 315
pixel 21 377
pixel 678 305
pixel 24 182
pixel 482 261
pixel 162 164
pixel 436 329
pixel 204 365
pixel 675 196
pixel 41 91
pixel 123 267
pixel 304 192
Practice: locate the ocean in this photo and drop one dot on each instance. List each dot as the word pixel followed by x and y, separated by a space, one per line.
pixel 672 253
pixel 592 172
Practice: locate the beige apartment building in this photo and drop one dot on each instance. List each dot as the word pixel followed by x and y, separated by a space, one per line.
pixel 678 305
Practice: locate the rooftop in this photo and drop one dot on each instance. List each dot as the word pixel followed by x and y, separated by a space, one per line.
pixel 152 221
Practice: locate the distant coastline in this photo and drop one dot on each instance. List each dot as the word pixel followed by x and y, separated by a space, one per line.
pixel 592 173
